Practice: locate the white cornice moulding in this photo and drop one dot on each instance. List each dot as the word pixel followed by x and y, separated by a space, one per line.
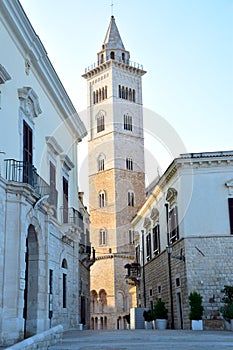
pixel 52 142
pixel 66 161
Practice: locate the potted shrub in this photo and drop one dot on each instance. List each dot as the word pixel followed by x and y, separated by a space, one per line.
pixel 196 310
pixel 160 314
pixel 227 309
pixel 147 314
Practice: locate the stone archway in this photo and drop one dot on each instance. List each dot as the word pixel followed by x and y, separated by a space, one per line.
pixel 31 283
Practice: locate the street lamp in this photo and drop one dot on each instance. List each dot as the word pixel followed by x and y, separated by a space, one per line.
pixel 169 252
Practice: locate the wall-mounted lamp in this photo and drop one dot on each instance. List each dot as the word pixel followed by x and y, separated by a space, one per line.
pixel 179 257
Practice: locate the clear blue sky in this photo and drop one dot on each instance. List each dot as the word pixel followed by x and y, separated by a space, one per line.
pixel 186 47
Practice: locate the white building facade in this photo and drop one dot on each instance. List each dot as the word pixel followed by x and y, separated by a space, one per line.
pixel 190 209
pixel 42 222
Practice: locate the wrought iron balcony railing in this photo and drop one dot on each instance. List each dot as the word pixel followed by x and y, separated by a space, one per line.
pixel 24 172
pixel 72 216
pixel 117 59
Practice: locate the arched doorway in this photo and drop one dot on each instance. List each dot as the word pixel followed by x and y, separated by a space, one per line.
pixel 31 283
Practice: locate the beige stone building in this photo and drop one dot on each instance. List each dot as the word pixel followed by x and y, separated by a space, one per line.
pixel 190 210
pixel 116 175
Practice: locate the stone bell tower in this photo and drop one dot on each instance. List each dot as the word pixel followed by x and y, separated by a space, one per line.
pixel 116 175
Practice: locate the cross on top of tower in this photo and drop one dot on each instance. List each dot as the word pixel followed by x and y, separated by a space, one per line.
pixel 112 4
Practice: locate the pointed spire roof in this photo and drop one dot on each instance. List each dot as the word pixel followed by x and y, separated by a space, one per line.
pixel 113 39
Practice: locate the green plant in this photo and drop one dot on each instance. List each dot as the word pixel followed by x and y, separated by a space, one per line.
pixel 160 311
pixel 228 294
pixel 147 314
pixel 227 309
pixel 196 308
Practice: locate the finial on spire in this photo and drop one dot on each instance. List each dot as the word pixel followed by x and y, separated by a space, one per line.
pixel 112 4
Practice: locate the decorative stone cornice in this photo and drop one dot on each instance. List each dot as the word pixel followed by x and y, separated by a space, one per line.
pixel 52 142
pixel 66 161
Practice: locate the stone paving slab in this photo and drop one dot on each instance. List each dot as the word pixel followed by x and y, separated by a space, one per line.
pixel 145 339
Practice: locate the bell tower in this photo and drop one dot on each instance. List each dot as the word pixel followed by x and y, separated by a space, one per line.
pixel 116 175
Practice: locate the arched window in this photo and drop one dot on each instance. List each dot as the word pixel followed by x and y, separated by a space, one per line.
pixel 130 199
pixel 101 159
pixel 100 97
pixel 96 96
pixel 130 94
pixel 129 164
pixel 94 301
pixel 128 122
pixel 103 237
pixel 133 95
pixel 101 58
pixel 100 122
pixel 64 264
pixel 103 93
pixel 126 93
pixel 102 199
pixel 123 57
pixel 112 55
pixel 93 97
pixel 123 92
pixel 106 92
pixel 102 298
pixel 119 91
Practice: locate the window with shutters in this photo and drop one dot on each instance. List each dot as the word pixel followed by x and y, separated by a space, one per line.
pixel 27 154
pixel 65 200
pixel 156 239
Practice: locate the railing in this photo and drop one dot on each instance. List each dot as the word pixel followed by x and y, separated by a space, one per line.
pixel 117 59
pixel 24 172
pixel 71 216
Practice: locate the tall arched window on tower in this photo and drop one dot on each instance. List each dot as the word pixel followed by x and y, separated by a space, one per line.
pixel 130 199
pixel 134 99
pixel 106 91
pixel 93 97
pixel 102 199
pixel 112 55
pixel 100 122
pixel 64 282
pixel 129 163
pixel 128 122
pixel 119 90
pixel 103 237
pixel 101 160
pixel 123 57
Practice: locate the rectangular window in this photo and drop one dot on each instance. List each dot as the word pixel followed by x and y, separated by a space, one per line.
pixel 173 225
pixel 156 239
pixel 65 200
pixel 138 254
pixel 131 236
pixel 50 294
pixel 130 199
pixel 148 246
pixel 230 206
pixel 64 290
pixel 27 154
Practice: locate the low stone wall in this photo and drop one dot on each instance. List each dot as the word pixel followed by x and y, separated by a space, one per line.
pixel 40 341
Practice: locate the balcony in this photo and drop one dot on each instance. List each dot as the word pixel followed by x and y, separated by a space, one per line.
pixel 117 59
pixel 24 172
pixel 133 273
pixel 72 216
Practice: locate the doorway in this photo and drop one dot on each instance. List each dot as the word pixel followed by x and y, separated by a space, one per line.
pixel 31 283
